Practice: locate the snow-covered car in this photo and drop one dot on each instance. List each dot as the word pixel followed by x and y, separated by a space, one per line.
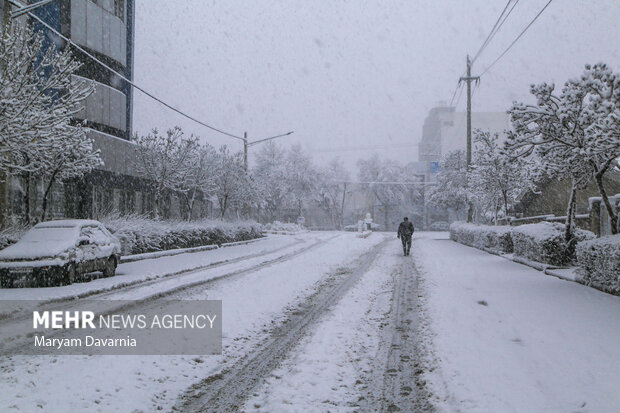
pixel 56 252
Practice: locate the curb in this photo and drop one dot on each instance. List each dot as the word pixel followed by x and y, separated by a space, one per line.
pixel 178 251
pixel 547 269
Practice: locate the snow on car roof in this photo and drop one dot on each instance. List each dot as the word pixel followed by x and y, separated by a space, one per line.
pixel 67 223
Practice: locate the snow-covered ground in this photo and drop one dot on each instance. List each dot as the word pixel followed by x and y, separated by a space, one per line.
pixel 508 338
pixel 252 304
pixel 327 370
pixel 494 335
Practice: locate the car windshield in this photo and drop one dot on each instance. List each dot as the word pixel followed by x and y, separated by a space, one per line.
pixel 46 234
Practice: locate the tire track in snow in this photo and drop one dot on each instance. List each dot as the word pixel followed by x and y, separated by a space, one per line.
pixel 12 342
pixel 403 386
pixel 228 390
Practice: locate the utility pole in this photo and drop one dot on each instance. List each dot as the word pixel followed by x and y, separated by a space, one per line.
pixel 469 78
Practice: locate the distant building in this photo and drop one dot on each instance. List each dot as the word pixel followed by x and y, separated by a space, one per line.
pixel 444 131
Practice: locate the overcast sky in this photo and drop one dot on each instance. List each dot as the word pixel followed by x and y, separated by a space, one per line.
pixel 346 74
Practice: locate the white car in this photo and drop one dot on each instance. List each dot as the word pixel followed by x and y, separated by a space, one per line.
pixel 56 252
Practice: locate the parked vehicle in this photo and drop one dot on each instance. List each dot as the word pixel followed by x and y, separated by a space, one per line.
pixel 57 252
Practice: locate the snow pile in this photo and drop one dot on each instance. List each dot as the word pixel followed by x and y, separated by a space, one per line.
pixel 544 242
pixel 497 238
pixel 139 235
pixel 277 227
pixel 599 261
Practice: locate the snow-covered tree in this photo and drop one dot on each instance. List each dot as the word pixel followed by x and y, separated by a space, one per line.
pixel 603 135
pixel 495 179
pixel 39 98
pixel 231 183
pixel 386 181
pixel 198 174
pixel 270 178
pixel 331 191
pixel 451 190
pixel 570 134
pixel 301 178
pixel 166 161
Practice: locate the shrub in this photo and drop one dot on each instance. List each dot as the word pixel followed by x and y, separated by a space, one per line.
pixel 599 262
pixel 544 242
pixel 139 235
pixel 11 235
pixel 497 238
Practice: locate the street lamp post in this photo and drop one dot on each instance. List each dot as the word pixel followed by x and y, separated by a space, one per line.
pixel 247 144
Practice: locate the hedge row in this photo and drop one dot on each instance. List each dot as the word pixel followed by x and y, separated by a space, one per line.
pixel 140 235
pixel 599 262
pixel 496 238
pixel 541 242
pixel 598 259
pixel 544 242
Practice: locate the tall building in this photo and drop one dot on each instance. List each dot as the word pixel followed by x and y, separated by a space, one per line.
pixel 445 130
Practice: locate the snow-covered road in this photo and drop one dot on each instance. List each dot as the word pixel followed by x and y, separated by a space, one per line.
pixel 331 322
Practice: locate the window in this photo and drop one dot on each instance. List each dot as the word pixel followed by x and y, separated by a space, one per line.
pixel 119 9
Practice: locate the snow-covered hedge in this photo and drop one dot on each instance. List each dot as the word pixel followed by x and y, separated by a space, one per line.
pixel 544 242
pixel 277 226
pixel 599 262
pixel 139 235
pixel 497 238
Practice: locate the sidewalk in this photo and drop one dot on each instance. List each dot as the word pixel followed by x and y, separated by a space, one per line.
pixel 506 337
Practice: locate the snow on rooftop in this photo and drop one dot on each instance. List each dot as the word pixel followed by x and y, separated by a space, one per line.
pixel 66 223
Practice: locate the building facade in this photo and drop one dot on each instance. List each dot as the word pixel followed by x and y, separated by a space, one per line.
pixel 445 130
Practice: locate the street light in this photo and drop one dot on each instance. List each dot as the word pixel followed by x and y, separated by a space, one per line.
pixel 247 144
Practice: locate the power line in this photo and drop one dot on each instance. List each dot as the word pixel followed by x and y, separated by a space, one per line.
pixel 458 99
pixel 458 85
pixel 492 32
pixel 15 3
pixel 386 182
pixel 518 37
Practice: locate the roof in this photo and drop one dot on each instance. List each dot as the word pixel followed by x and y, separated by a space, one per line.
pixel 68 223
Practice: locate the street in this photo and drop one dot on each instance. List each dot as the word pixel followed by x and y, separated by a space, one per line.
pixel 327 321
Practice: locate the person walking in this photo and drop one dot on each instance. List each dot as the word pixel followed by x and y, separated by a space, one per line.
pixel 405 231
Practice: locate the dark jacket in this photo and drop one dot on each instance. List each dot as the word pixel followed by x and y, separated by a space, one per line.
pixel 405 229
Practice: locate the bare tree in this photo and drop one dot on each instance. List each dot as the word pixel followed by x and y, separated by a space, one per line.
pixel 165 161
